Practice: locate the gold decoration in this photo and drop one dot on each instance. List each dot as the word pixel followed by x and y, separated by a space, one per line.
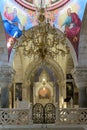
pixel 43 40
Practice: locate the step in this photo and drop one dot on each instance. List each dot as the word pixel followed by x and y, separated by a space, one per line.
pixel 44 127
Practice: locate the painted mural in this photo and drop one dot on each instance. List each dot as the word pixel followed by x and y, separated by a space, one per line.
pixel 67 18
pixel 36 2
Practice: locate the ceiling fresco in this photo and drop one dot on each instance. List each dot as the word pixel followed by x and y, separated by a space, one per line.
pixel 17 17
pixel 50 4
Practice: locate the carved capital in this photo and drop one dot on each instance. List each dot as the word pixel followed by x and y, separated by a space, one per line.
pixel 80 76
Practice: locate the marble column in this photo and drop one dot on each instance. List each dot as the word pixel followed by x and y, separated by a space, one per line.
pixel 80 76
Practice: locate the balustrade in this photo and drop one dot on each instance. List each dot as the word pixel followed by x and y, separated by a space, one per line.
pixel 24 116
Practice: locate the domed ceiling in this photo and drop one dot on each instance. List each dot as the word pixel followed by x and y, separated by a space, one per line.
pixel 51 4
pixel 18 15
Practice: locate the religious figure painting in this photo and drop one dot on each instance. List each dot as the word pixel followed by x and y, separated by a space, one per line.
pixel 44 93
pixel 69 21
pixel 12 23
pixel 15 18
pixel 67 18
pixel 72 25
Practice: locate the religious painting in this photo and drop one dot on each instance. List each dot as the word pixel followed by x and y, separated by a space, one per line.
pixel 44 93
pixel 39 2
pixel 12 23
pixel 67 18
pixel 15 19
pixel 72 26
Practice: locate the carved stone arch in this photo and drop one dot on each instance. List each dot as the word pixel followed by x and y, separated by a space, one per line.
pixel 58 72
pixel 24 38
pixel 33 66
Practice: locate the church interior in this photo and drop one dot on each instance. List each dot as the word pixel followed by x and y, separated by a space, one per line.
pixel 43 64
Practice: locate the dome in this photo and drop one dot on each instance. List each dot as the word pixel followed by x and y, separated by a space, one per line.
pixel 50 4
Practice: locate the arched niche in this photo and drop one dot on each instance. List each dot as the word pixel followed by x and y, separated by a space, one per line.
pixel 58 72
pixel 33 65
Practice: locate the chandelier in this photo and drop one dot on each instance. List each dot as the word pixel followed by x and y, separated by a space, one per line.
pixel 43 40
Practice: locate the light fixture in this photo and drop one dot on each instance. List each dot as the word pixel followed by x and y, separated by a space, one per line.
pixel 43 81
pixel 43 41
pixel 44 88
